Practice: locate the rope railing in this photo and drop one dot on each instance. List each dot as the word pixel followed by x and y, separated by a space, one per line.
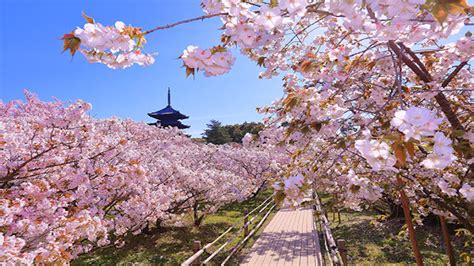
pixel 234 250
pixel 260 208
pixel 322 239
pixel 329 242
pixel 246 224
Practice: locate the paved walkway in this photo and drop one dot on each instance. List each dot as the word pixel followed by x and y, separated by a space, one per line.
pixel 289 239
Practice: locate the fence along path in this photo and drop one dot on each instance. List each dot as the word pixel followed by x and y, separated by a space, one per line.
pixel 290 238
pixel 264 209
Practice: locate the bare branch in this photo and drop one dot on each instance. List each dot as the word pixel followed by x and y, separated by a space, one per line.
pixel 184 22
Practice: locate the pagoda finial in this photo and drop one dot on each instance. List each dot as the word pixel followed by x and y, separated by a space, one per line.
pixel 169 97
pixel 168 117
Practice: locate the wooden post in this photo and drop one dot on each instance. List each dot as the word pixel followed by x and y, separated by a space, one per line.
pixel 447 241
pixel 341 246
pixel 409 223
pixel 196 248
pixel 246 226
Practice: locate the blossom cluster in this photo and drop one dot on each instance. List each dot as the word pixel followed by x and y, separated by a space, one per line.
pixel 213 62
pixel 377 153
pixel 361 189
pixel 251 28
pixel 113 46
pixel 70 183
pixel 291 187
pixel 451 186
pixel 101 38
pixel 442 155
pixel 346 67
pixel 121 60
pixel 418 122
pixel 345 72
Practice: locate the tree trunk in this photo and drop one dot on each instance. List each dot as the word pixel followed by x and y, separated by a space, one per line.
pixel 447 241
pixel 409 223
pixel 196 219
pixel 396 210
pixel 255 194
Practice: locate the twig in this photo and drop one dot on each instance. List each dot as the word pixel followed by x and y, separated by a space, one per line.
pixel 183 22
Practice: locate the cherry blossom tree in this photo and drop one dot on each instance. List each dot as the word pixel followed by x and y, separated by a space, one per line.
pixel 378 94
pixel 71 183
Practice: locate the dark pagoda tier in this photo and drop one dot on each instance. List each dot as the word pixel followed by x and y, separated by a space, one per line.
pixel 168 117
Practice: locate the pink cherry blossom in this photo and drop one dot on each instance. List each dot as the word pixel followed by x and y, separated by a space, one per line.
pixel 70 183
pixel 359 78
pixel 213 63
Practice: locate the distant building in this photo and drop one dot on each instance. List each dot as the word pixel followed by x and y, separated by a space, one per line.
pixel 168 117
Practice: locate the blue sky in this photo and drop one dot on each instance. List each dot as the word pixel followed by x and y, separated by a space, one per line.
pixel 30 58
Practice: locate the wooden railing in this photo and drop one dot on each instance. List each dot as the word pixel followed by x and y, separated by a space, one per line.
pixel 265 208
pixel 330 245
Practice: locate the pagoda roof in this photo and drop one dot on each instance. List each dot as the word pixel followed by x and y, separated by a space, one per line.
pixel 167 113
pixel 177 124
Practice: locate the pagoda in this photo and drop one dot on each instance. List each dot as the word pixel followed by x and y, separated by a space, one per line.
pixel 168 117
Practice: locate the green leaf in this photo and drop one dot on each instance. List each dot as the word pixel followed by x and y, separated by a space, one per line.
pixel 306 65
pixel 87 18
pixel 317 125
pixel 289 102
pixel 71 43
pixel 400 153
pixel 440 13
pixel 386 124
pixel 371 65
pixel 410 149
pixel 341 144
pixel 218 49
pixel 354 188
pixel 190 71
pixel 304 129
pixel 392 137
pixel 458 133
pixel 279 197
pixel 440 9
pixel 461 232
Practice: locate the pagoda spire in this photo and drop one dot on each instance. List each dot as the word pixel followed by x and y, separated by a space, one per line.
pixel 168 117
pixel 169 97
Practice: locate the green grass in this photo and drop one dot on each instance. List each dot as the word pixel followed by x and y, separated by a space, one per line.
pixel 371 242
pixel 171 245
pixel 368 241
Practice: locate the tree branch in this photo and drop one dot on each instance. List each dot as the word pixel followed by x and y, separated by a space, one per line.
pixel 183 22
pixel 453 74
pixel 426 77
